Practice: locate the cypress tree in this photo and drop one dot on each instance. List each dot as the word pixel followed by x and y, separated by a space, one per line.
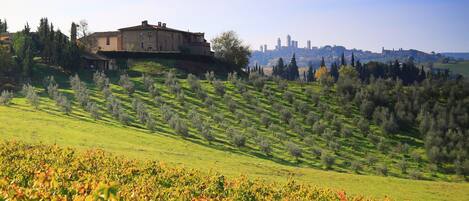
pixel 310 74
pixel 335 71
pixel 293 73
pixel 342 60
pixel 353 60
pixel 280 67
pixel 73 34
pixel 323 63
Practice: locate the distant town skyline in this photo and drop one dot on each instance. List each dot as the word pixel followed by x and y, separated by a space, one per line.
pixel 432 25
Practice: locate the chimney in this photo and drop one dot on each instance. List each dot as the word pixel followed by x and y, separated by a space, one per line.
pixel 145 23
pixel 159 24
pixel 164 25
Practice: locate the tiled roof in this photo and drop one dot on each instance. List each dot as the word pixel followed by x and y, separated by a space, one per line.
pixel 153 27
pixel 104 34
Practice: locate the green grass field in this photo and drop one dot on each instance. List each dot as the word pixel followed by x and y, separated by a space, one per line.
pixel 48 125
pixel 460 67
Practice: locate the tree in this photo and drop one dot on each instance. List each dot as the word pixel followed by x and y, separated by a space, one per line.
pixel 73 58
pixel 24 51
pixel 342 60
pixel 293 149
pixel 310 73
pixel 6 61
pixel 3 26
pixel 292 72
pixel 327 160
pixel 228 47
pixel 279 68
pixel 335 71
pixel 6 97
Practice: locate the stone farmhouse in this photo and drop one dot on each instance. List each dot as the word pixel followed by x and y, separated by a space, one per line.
pixel 150 38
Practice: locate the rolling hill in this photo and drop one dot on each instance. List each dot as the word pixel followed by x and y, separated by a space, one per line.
pixel 247 131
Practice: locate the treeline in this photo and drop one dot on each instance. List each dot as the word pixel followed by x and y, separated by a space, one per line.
pixel 3 26
pixel 399 96
pixel 51 45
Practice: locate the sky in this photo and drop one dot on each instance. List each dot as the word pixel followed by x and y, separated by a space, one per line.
pixel 427 25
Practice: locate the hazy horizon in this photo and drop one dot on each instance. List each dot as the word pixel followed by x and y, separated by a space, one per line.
pixel 438 26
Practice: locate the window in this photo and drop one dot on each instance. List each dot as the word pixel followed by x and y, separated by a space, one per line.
pixel 141 45
pixel 108 40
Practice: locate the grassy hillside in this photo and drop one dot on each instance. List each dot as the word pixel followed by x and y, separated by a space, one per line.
pixel 459 67
pixel 375 152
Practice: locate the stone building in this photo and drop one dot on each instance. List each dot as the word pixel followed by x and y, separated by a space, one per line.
pixel 149 38
pixel 103 41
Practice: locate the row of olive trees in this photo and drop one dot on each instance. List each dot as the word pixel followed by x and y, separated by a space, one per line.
pixel 60 99
pixel 82 95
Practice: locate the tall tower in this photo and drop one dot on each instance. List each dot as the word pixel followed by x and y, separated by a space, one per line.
pixel 289 41
pixel 279 44
pixel 308 44
pixel 261 48
pixel 265 48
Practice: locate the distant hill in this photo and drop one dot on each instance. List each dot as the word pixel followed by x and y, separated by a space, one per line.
pixel 457 55
pixel 333 53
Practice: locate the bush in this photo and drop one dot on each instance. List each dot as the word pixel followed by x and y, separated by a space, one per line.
pixel 193 82
pixel 282 85
pixel 53 90
pixel 327 160
pixel 383 169
pixel 265 120
pixel 364 126
pixel 288 96
pixel 238 140
pixel 219 87
pixel 150 123
pixel 218 117
pixel 100 80
pixel 415 174
pixel 371 160
pixel 311 118
pixel 122 116
pixel 140 109
pixel 402 165
pixel 309 140
pixel 293 149
pixel 64 104
pixel 318 127
pixel 346 132
pixel 170 78
pixel 148 81
pixel 153 91
pixel 126 84
pixel 93 109
pixel 264 146
pixel 317 153
pixel 210 76
pixel 179 125
pixel 80 91
pixel 6 97
pixel 334 146
pixel 356 166
pixel 285 115
pixel 175 88
pixel 29 92
pixel 206 132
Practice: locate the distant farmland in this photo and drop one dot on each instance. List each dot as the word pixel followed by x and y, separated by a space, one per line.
pixel 460 67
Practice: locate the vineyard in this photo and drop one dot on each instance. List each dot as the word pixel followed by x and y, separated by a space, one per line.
pixel 37 172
